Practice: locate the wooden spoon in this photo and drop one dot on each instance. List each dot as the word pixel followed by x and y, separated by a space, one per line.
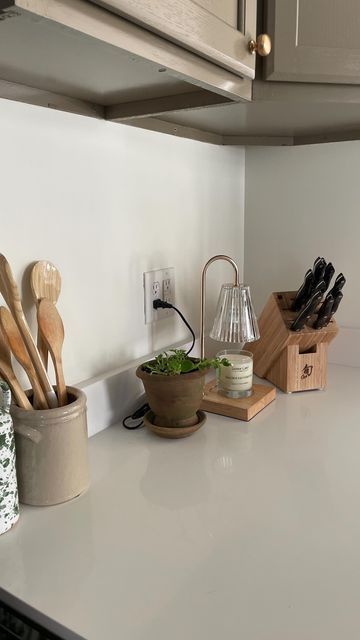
pixel 52 331
pixel 7 372
pixel 18 348
pixel 45 281
pixel 10 292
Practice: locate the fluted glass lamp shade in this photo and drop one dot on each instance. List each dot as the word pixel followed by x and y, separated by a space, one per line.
pixel 235 320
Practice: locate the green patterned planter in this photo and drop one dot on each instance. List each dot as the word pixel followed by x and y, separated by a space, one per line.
pixel 9 503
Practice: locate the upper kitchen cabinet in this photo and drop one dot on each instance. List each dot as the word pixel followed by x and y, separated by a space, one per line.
pixel 78 56
pixel 187 67
pixel 313 41
pixel 217 30
pixel 314 91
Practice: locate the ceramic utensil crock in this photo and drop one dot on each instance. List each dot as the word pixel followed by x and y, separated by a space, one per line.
pixel 52 451
pixel 9 504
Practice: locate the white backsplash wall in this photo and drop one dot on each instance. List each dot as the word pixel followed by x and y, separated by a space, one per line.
pixel 300 203
pixel 106 202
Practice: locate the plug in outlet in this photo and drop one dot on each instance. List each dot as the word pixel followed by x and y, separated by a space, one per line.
pixel 158 284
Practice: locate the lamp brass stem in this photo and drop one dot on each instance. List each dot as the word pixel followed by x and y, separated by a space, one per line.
pixel 203 292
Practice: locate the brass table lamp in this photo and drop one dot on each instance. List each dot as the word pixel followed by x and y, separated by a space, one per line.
pixel 235 319
pixel 233 393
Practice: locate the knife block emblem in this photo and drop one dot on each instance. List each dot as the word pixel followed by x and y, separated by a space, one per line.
pixel 307 371
pixel 293 361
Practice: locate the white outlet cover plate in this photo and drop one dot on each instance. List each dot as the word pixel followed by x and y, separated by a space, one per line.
pixel 154 281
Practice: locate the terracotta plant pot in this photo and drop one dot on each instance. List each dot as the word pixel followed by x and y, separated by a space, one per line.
pixel 174 399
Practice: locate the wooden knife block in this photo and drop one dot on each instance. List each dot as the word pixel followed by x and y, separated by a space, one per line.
pixel 292 360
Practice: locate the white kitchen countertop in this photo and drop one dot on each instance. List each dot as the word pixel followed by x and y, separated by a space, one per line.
pixel 243 530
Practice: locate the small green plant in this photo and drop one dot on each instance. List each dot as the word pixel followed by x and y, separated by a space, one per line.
pixel 176 361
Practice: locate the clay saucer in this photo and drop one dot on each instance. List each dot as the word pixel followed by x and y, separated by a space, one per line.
pixel 173 432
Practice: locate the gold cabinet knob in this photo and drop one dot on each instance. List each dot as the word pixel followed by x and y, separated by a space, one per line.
pixel 262 45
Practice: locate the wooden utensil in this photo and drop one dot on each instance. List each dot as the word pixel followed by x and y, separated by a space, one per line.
pixel 10 292
pixel 7 372
pixel 52 331
pixel 18 348
pixel 45 281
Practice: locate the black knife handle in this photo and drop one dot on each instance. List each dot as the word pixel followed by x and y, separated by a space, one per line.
pixel 337 301
pixel 320 287
pixel 303 292
pixel 338 285
pixel 324 314
pixel 328 274
pixel 339 279
pixel 319 271
pixel 326 318
pixel 306 313
pixel 321 309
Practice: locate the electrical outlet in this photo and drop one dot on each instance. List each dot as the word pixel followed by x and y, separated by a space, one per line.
pixel 155 289
pixel 167 290
pixel 159 283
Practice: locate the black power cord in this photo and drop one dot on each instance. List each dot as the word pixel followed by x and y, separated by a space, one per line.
pixel 139 413
pixel 161 304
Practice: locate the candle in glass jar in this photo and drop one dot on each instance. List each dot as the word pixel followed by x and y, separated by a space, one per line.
pixel 236 380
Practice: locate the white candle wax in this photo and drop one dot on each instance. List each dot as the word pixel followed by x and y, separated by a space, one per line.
pixel 239 376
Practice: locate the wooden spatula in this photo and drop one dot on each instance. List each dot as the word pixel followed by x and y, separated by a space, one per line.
pixel 9 290
pixel 52 332
pixel 45 281
pixel 8 374
pixel 18 348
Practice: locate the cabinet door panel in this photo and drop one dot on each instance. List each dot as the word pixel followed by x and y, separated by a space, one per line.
pixel 227 11
pixel 314 41
pixel 194 26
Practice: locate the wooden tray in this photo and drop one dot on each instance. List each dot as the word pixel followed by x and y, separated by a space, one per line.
pixel 238 408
